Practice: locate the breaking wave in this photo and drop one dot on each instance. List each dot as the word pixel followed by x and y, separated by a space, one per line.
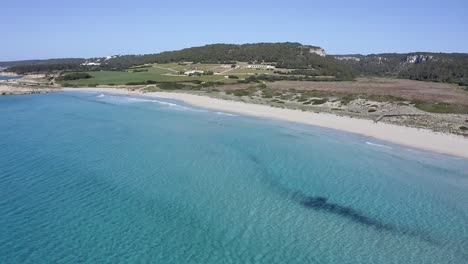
pixel 129 100
pixel 225 114
pixel 378 145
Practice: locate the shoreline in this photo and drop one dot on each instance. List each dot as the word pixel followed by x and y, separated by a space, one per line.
pixel 8 74
pixel 10 88
pixel 423 139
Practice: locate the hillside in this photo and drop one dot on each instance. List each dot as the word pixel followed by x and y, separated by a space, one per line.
pixel 287 55
pixel 282 55
pixel 423 66
pixel 6 64
pixel 303 59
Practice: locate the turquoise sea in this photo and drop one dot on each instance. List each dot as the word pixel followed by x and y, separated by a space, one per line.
pixel 99 178
pixel 9 77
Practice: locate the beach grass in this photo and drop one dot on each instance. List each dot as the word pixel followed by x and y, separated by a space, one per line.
pixel 442 108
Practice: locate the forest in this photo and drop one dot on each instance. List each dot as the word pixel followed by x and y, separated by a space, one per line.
pixel 423 66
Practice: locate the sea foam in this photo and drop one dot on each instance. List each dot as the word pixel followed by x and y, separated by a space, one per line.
pixel 378 145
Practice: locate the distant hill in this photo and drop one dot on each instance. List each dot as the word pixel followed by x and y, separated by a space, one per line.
pixel 291 55
pixel 424 66
pixel 6 64
pixel 282 55
pixel 32 66
pixel 308 60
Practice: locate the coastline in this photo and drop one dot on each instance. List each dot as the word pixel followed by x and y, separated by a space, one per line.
pixel 423 139
pixel 7 88
pixel 9 74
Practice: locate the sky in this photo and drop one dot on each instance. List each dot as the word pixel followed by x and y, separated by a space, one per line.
pixel 44 29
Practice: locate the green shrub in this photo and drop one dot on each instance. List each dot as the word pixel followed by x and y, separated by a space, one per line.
pixel 347 98
pixel 140 66
pixel 150 89
pixel 207 84
pixel 142 82
pixel 443 108
pixel 170 86
pixel 136 83
pixel 243 92
pixel 74 76
pixel 319 101
pixel 277 101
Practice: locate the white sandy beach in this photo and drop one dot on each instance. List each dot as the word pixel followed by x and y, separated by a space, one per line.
pixel 407 136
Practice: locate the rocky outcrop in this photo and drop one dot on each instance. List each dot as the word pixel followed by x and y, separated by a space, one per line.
pixel 347 58
pixel 419 58
pixel 16 90
pixel 7 73
pixel 318 51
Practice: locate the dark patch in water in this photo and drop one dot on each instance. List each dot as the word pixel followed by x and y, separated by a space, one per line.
pixel 323 204
pixel 288 135
pixel 254 159
pixel 320 203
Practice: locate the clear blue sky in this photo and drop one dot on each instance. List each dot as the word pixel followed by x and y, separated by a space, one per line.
pixel 53 29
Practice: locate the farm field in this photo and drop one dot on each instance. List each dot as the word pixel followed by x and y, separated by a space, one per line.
pixel 170 72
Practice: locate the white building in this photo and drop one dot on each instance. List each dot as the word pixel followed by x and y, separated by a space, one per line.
pixel 260 66
pixel 193 72
pixel 88 63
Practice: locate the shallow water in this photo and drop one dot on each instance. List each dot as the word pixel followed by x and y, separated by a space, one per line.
pixel 9 77
pixel 89 177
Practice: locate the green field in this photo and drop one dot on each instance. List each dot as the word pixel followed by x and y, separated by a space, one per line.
pixel 187 66
pixel 164 73
pixel 244 71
